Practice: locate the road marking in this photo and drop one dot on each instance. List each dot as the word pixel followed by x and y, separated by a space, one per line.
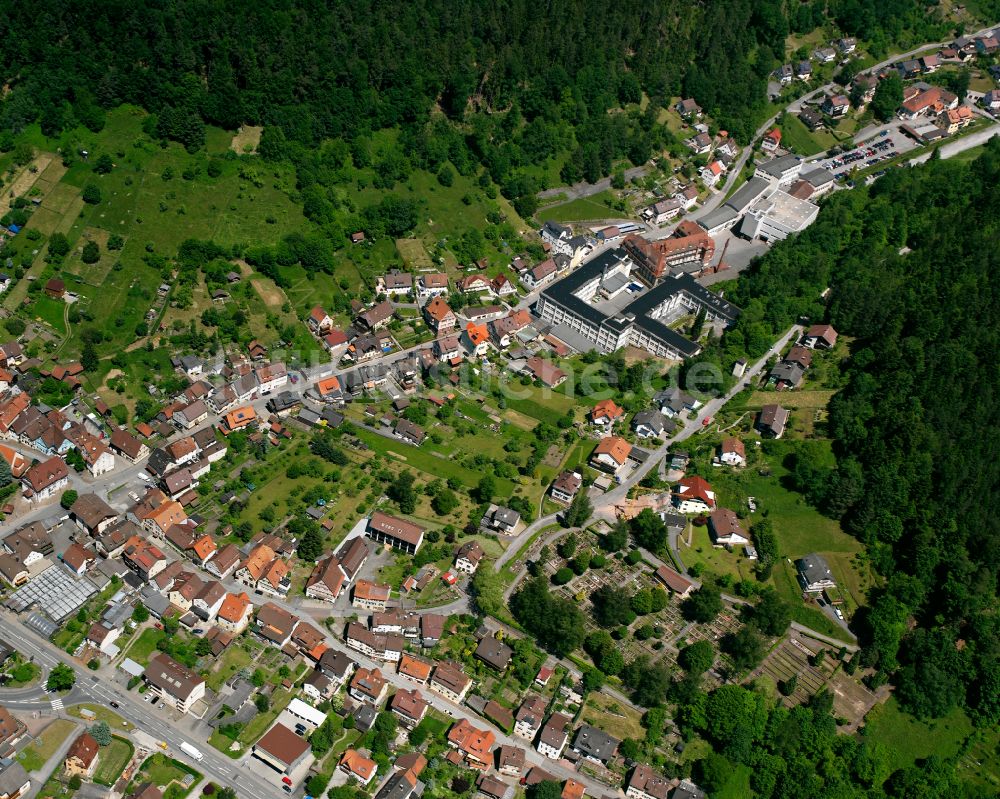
pixel 57 704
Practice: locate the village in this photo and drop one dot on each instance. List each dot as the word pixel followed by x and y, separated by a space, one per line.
pixel 288 565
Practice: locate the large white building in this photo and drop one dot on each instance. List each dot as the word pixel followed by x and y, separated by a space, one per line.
pixel 644 322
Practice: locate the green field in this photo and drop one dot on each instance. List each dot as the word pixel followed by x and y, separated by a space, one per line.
pixel 593 207
pixel 424 461
pixel 113 759
pixel 145 645
pixel 908 739
pixel 162 771
pixel 100 713
pixel 35 754
pixel 796 137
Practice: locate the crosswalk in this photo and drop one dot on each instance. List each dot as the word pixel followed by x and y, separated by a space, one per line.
pixel 57 704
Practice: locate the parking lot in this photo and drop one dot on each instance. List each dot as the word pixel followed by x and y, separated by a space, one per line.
pixel 883 147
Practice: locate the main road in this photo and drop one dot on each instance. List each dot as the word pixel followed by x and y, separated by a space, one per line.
pixel 92 686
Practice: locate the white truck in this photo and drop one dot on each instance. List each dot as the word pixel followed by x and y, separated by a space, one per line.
pixel 190 751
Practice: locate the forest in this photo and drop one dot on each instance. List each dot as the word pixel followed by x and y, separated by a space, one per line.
pixel 506 85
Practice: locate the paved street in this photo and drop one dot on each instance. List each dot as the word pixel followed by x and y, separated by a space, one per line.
pixel 96 688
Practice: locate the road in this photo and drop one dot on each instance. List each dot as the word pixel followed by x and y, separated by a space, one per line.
pixel 92 686
pixel 617 495
pixel 952 148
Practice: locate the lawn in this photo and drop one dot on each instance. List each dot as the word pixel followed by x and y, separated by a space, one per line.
pixel 101 713
pixel 50 311
pixel 424 461
pixel 716 561
pixel 262 721
pixel 797 137
pixel 611 716
pixel 593 207
pixel 145 645
pixel 738 785
pixel 162 770
pixel 234 659
pixel 810 398
pixel 35 754
pixel 907 739
pixel 113 759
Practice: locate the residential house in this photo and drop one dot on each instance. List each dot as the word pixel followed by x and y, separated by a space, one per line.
pixel 784 74
pixel 190 415
pixel 545 372
pixel 275 624
pixel 336 666
pixel 319 321
pixel 812 119
pixel 712 173
pixel 468 557
pixel 502 286
pixel 178 686
pixel 225 561
pixel 529 717
pixel 659 213
pixel 476 338
pixel 652 424
pixel 732 452
pixel 688 109
pixel 368 685
pixel 439 316
pixel 699 144
pixel 409 706
pixel 473 744
pixel 408 432
pixel 415 669
pixel 395 284
pixel 473 284
pixel 82 756
pixel 800 355
pixel 142 557
pixel 725 528
pixel 674 402
pixel 432 285
pixel 352 556
pixel 449 680
pixel 825 55
pixel 565 486
pixel 499 518
pixel 803 70
pixel 611 454
pixel 814 574
pixel 772 420
pixel 14 781
pixel 46 479
pixel 355 765
pixel 388 647
pixel 92 514
pixel 786 375
pixel 234 613
pixel 836 105
pixel 327 580
pixel 594 744
pixel 400 785
pixel 431 629
pixel 370 596
pixel 694 495
pixel 510 761
pixel 78 559
pixel 553 737
pixel 494 653
pixel 209 600
pixel 606 412
pixel 128 446
pixel 398 533
pixel 376 317
pixel 540 275
pixel 771 140
pixel 317 686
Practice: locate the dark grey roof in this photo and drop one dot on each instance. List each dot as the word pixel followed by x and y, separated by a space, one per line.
pixel 787 371
pixel 688 790
pixel 814 568
pixel 776 166
pixel 506 516
pixel 747 193
pixel 652 419
pixel 595 743
pixel 818 177
pixel 719 216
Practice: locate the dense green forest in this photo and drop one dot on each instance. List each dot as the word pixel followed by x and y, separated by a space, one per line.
pixel 912 264
pixel 519 82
